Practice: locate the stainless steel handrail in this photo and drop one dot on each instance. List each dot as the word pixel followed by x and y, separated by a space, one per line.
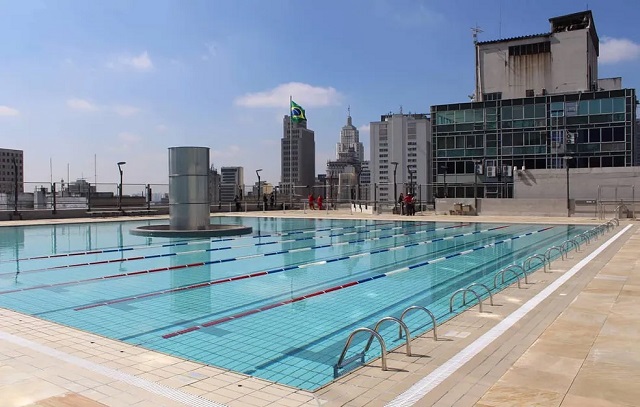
pixel 565 246
pixel 501 272
pixel 433 320
pixel 585 237
pixel 524 273
pixel 463 298
pixel 481 285
pixel 615 220
pixel 526 264
pixel 383 349
pixel 547 254
pixel 402 326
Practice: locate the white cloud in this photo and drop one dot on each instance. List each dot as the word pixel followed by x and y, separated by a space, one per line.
pixel 141 63
pixel 304 94
pixel 124 110
pixel 161 128
pixel 613 50
pixel 212 51
pixel 128 138
pixel 228 152
pixel 364 128
pixel 81 104
pixel 407 14
pixel 8 111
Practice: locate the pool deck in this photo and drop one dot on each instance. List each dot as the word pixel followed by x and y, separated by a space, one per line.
pixel 577 347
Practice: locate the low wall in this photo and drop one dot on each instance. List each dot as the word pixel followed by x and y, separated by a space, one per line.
pixel 510 207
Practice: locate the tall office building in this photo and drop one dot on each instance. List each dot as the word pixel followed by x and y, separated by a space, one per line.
pixel 349 145
pixel 231 183
pixel 11 171
pixel 215 186
pixel 540 106
pixel 404 139
pixel 298 158
pixel 345 172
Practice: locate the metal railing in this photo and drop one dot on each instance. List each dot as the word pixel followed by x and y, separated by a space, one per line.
pixel 343 363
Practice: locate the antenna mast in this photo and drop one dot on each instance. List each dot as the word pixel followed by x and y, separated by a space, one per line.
pixel 475 31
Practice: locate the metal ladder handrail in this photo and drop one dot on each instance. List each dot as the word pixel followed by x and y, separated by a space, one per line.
pixel 617 212
pixel 483 286
pixel 433 320
pixel 524 273
pixel 501 272
pixel 548 253
pixel 616 220
pixel 565 246
pixel 585 238
pixel 527 262
pixel 402 326
pixel 463 298
pixel 383 350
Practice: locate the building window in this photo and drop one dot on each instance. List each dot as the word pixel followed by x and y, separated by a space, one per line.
pixel 492 96
pixel 530 49
pixel 530 93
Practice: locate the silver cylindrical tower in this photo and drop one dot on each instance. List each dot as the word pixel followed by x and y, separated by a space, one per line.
pixel 188 188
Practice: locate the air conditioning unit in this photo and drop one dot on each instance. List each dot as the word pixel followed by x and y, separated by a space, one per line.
pixel 507 170
pixel 479 169
pixel 491 171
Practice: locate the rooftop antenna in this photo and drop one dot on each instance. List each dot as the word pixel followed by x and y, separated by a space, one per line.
pixel 400 109
pixel 349 110
pixel 475 31
pixel 500 20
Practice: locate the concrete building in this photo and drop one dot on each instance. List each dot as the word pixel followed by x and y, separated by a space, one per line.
pixel 536 107
pixel 563 60
pixel 406 140
pixel 298 155
pixel 11 170
pixel 231 183
pixel 215 186
pixel 350 145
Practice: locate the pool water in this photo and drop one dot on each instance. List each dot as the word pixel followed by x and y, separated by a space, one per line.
pixel 278 304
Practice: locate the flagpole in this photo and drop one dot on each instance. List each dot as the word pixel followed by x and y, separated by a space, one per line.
pixel 290 154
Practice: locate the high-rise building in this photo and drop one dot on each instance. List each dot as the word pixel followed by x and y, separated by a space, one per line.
pixel 298 158
pixel 563 60
pixel 541 107
pixel 404 139
pixel 11 171
pixel 349 145
pixel 215 186
pixel 231 183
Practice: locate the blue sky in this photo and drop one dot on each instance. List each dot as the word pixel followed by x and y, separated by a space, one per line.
pixel 124 80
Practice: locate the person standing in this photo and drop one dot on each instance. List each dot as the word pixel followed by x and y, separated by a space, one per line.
pixel 401 203
pixel 311 200
pixel 319 202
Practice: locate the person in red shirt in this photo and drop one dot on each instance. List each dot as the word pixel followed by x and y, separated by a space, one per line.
pixel 319 202
pixel 311 200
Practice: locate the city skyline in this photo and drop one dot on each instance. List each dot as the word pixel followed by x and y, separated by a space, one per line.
pixel 124 81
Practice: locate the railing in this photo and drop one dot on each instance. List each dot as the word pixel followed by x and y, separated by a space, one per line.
pixel 464 302
pixel 416 307
pixel 402 326
pixel 527 262
pixel 342 363
pixel 501 273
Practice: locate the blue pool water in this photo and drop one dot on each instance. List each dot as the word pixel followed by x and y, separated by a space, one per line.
pixel 278 304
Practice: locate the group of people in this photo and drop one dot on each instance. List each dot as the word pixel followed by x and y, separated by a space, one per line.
pixel 312 201
pixel 407 204
pixel 269 202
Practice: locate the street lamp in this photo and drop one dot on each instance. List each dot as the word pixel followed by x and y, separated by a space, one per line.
pixel 259 185
pixel 566 165
pixel 444 169
pixel 120 164
pixel 476 163
pixel 395 186
pixel 410 179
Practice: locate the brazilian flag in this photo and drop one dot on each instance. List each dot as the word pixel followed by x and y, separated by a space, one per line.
pixel 297 113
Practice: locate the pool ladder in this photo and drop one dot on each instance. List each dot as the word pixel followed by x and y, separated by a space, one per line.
pixel 374 334
pixel 544 259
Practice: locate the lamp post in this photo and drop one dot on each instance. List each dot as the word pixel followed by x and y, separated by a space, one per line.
pixel 395 186
pixel 566 165
pixel 410 171
pixel 259 185
pixel 120 164
pixel 476 163
pixel 15 186
pixel 444 172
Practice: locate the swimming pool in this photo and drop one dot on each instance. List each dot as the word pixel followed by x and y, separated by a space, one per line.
pixel 278 304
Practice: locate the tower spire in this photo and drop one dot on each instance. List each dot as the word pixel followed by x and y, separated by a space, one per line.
pixel 349 115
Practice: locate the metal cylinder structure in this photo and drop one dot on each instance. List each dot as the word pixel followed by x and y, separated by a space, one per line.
pixel 189 188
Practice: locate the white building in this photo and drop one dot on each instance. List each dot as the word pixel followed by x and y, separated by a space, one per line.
pixel 561 61
pixel 406 140
pixel 231 183
pixel 350 146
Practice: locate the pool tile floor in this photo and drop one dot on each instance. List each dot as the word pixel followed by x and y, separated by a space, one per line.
pixel 578 348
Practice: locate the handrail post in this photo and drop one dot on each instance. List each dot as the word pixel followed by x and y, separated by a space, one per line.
pixel 402 326
pixel 383 349
pixel 464 290
pixel 433 320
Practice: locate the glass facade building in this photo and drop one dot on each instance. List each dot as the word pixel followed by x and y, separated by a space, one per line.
pixel 486 144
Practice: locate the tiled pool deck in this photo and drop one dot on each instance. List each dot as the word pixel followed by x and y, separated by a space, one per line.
pixel 577 347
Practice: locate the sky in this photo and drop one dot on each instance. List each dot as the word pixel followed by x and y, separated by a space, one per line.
pixel 85 84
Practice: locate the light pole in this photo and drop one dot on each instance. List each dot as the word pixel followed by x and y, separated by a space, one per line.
pixel 566 165
pixel 120 164
pixel 444 169
pixel 259 185
pixel 476 163
pixel 15 186
pixel 395 186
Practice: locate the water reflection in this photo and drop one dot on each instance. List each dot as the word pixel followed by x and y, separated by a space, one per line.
pixel 186 302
